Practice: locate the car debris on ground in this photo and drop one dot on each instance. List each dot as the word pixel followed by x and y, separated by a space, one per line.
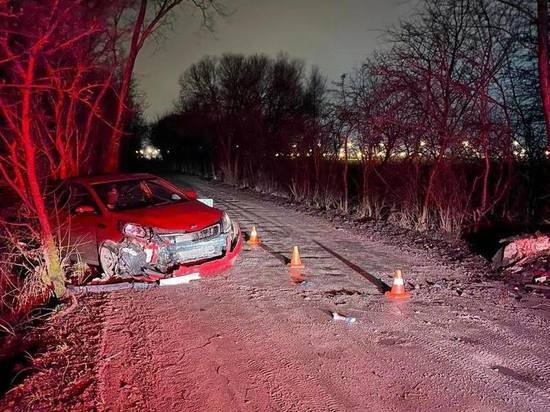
pixel 348 319
pixel 525 260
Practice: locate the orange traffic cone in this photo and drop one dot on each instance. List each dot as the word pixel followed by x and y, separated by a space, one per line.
pixel 296 262
pixel 398 288
pixel 296 276
pixel 254 239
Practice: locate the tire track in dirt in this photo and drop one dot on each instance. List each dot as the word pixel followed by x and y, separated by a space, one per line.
pixel 284 372
pixel 302 229
pixel 145 366
pixel 121 332
pixel 476 359
pixel 519 394
pixel 302 235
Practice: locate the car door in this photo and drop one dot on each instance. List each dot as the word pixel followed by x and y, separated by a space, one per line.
pixel 85 217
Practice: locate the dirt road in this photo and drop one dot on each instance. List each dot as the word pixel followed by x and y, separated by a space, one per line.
pixel 254 340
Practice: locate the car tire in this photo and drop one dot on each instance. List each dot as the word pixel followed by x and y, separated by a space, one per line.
pixel 108 258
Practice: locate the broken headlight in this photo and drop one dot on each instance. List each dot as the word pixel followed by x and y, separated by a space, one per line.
pixel 226 223
pixel 134 230
pixel 205 233
pixel 229 227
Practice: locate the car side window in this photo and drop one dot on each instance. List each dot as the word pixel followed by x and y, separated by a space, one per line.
pixel 79 196
pixel 158 191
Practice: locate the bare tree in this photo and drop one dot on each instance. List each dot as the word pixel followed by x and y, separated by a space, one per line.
pixel 49 87
pixel 531 14
pixel 142 19
pixel 544 72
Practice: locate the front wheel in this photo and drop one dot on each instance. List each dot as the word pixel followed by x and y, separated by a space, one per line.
pixel 108 259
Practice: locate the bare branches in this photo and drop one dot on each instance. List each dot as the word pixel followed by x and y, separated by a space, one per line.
pixel 53 76
pixel 442 98
pixel 148 19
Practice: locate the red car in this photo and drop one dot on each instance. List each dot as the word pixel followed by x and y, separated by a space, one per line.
pixel 140 224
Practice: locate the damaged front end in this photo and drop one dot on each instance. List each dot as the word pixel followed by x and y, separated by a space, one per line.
pixel 151 251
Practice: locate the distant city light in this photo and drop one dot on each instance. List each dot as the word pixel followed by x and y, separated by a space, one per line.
pixel 149 152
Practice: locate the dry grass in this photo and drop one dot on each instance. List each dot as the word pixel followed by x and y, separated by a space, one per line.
pixel 396 192
pixel 24 283
pixel 298 190
pixel 372 207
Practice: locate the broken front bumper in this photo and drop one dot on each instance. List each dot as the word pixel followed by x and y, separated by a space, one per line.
pixel 181 255
pixel 214 266
pixel 171 254
pixel 188 252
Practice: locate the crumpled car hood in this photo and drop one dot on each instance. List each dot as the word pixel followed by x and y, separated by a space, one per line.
pixel 185 216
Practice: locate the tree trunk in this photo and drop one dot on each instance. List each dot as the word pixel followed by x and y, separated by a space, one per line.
pixel 54 275
pixel 484 114
pixel 544 79
pixel 428 194
pixel 113 152
pixel 367 209
pixel 345 174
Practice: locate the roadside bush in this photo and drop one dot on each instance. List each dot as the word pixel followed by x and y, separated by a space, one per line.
pixel 394 192
pixel 25 283
pixel 22 275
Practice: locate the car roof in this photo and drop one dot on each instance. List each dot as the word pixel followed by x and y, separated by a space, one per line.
pixel 109 178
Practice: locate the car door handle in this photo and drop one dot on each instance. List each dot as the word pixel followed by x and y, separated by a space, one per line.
pixel 101 226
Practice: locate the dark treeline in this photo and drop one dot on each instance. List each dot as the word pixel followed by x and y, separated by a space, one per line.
pixel 443 130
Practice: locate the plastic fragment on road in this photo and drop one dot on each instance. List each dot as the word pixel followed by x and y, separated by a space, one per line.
pixel 178 280
pixel 207 202
pixel 348 319
pixel 521 249
pixel 144 285
pixel 111 287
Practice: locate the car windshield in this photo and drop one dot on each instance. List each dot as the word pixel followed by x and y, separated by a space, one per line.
pixel 133 194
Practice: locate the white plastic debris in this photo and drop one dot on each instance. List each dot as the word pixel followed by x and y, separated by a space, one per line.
pixel 207 202
pixel 348 319
pixel 521 249
pixel 178 280
pixel 541 279
pixel 112 287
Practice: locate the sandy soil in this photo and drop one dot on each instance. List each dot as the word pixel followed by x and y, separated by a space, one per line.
pixel 254 339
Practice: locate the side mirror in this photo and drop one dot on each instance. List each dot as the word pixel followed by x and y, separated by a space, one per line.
pixel 190 194
pixel 85 210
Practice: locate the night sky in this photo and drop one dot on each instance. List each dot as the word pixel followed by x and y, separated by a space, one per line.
pixel 335 35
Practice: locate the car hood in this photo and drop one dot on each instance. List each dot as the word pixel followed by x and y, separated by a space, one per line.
pixel 185 216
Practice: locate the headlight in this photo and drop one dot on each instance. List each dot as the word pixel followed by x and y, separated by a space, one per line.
pixel 226 223
pixel 134 230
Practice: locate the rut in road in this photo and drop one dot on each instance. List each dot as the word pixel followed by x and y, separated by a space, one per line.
pixel 281 235
pixel 252 340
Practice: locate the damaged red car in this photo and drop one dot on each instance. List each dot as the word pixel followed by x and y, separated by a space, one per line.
pixel 139 224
